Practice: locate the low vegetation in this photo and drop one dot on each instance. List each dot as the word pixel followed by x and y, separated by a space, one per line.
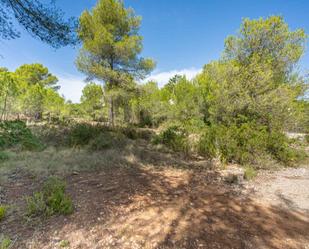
pixel 238 109
pixel 15 134
pixel 3 210
pixel 5 242
pixel 51 200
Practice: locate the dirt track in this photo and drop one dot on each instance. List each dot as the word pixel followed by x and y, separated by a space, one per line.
pixel 146 208
pixel 288 188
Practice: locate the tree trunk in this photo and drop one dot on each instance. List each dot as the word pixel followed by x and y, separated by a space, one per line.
pixel 4 106
pixel 111 111
pixel 127 113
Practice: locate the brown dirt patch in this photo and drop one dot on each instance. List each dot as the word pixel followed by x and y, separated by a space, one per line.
pixel 146 208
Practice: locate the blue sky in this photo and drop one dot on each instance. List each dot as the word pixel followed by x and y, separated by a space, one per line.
pixel 180 35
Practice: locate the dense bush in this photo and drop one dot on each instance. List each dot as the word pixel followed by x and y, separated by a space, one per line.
pixel 51 200
pixel 245 143
pixel 81 134
pixel 16 133
pixel 99 137
pixel 105 140
pixel 278 145
pixel 241 144
pixel 173 137
pixel 3 156
pixel 137 133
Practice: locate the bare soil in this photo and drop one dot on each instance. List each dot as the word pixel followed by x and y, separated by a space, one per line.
pixel 139 207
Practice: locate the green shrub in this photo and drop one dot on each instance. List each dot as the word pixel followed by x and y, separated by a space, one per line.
pixel 229 143
pixel 130 133
pixel 64 243
pixel 208 145
pixel 278 145
pixel 2 212
pixel 16 133
pixel 173 137
pixel 36 205
pixel 106 140
pixel 250 173
pixel 3 156
pixel 81 134
pixel 52 200
pixel 137 133
pixel 245 143
pixel 5 242
pixel 101 142
pixel 307 138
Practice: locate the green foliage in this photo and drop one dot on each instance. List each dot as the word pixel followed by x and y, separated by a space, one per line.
pixel 64 243
pixel 272 40
pixel 173 137
pixel 42 20
pixel 81 134
pixel 250 173
pixel 3 156
pixel 97 137
pixel 102 141
pixel 246 143
pixel 5 242
pixel 51 200
pixel 105 140
pixel 111 46
pixel 3 210
pixel 37 74
pixel 30 91
pixel 16 133
pixel 92 100
pixel 137 133
pixel 279 146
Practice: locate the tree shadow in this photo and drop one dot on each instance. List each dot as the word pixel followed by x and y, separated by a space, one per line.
pixel 135 206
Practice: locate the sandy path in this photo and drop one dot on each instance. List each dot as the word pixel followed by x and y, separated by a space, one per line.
pixel 288 188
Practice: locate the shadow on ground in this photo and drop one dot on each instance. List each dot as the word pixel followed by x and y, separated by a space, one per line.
pixel 147 207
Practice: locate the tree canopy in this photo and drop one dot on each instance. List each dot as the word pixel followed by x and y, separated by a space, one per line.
pixel 111 46
pixel 42 21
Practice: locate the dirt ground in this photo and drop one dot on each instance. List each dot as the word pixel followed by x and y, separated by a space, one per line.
pixel 168 208
pixel 288 188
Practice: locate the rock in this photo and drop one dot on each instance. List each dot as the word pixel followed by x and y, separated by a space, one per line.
pixel 233 174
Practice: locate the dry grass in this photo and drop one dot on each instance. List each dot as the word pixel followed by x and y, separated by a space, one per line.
pixel 64 161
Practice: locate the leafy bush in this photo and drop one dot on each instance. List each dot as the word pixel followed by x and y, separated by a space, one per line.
pixel 5 242
pixel 81 134
pixel 137 133
pixel 246 142
pixel 105 140
pixel 52 200
pixel 2 212
pixel 230 143
pixel 101 142
pixel 130 133
pixel 173 137
pixel 36 205
pixel 3 156
pixel 16 133
pixel 278 145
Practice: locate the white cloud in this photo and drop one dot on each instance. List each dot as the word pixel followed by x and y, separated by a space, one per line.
pixel 71 86
pixel 163 77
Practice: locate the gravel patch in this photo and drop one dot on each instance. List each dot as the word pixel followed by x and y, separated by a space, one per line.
pixel 288 188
